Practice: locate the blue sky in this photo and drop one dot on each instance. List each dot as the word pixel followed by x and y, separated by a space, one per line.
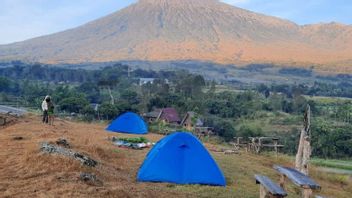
pixel 24 19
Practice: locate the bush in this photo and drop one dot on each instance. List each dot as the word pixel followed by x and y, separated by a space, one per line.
pixel 249 131
pixel 225 130
pixel 73 104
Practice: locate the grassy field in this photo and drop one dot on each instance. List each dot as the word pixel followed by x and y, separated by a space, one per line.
pixel 26 172
pixel 328 100
pixel 336 164
pixel 240 170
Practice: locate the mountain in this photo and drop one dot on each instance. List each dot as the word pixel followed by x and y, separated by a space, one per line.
pixel 207 30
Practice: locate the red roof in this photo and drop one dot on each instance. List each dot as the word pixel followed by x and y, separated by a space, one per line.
pixel 170 115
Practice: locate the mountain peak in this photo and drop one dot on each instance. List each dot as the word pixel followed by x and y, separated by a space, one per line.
pixel 205 30
pixel 177 1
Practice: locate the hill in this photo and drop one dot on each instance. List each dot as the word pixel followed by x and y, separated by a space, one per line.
pixel 26 172
pixel 206 30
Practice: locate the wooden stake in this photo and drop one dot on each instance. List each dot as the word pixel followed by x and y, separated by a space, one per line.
pixel 304 147
pixel 263 192
pixel 282 181
pixel 307 193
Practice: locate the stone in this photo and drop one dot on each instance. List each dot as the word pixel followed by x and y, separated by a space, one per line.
pixel 63 143
pixel 90 179
pixel 2 121
pixel 18 138
pixel 53 149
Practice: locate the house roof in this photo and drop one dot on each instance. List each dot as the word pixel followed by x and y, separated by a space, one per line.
pixel 170 114
pixel 152 114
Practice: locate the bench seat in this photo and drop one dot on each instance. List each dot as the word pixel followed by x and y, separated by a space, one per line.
pixel 273 188
pixel 298 178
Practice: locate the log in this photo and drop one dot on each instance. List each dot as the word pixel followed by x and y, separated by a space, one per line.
pixel 53 149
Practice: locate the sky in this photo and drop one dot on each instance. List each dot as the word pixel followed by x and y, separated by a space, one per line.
pixel 24 19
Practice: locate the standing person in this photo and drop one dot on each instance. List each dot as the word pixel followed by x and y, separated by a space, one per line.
pixel 45 110
pixel 51 109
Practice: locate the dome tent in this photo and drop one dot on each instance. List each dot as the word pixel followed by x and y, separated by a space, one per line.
pixel 128 123
pixel 182 159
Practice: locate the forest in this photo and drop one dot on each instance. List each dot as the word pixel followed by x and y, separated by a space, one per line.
pixel 270 110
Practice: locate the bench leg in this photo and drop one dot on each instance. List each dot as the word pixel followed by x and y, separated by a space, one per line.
pixel 263 192
pixel 307 193
pixel 282 181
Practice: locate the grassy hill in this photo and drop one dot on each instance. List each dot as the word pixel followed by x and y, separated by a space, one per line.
pixel 26 172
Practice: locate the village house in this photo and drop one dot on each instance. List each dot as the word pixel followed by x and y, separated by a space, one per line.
pixel 190 121
pixel 168 115
pixel 143 81
pixel 152 116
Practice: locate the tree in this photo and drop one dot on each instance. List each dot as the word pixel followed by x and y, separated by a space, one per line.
pixel 91 90
pixel 249 131
pixel 73 104
pixel 225 129
pixel 129 96
pixel 108 111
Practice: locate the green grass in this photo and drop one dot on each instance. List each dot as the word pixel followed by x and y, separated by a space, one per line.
pixel 239 171
pixel 337 164
pixel 327 100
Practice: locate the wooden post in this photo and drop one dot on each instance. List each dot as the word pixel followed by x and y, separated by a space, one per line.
pixel 263 192
pixel 259 145
pixel 275 140
pixel 304 148
pixel 307 193
pixel 282 181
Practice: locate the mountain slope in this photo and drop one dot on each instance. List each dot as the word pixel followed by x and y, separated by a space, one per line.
pixel 191 29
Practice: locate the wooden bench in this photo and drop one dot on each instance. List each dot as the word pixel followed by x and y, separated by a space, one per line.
pixel 268 188
pixel 299 179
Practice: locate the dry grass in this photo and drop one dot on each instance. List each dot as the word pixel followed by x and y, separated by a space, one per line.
pixel 25 172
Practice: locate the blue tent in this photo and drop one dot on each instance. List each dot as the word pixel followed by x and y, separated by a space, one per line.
pixel 182 159
pixel 128 123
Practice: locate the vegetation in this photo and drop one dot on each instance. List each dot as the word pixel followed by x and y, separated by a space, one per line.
pixel 270 110
pixel 135 140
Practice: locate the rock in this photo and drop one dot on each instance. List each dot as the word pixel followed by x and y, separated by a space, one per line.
pixel 53 149
pixel 85 160
pixel 90 179
pixel 63 142
pixel 230 152
pixel 18 138
pixel 2 121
